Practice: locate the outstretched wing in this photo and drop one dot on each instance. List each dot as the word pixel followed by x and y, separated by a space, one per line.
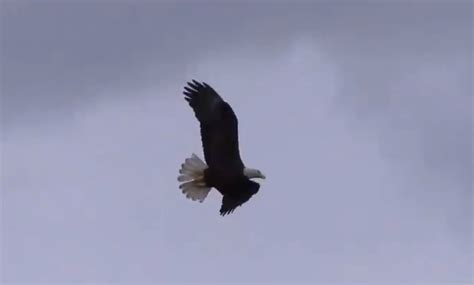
pixel 219 127
pixel 236 198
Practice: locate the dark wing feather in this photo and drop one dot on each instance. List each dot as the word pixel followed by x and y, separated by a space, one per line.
pixel 219 128
pixel 236 198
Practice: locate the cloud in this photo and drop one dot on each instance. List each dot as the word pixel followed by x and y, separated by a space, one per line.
pixel 368 176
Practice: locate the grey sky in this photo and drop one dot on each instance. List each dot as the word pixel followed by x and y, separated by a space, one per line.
pixel 359 113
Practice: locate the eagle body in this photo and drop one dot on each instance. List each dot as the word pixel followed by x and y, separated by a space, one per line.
pixel 223 168
pixel 236 189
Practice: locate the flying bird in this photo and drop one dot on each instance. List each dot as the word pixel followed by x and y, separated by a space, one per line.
pixel 223 168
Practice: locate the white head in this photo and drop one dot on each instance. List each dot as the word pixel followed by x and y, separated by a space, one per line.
pixel 253 173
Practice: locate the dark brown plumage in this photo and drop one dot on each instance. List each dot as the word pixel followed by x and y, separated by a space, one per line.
pixel 220 141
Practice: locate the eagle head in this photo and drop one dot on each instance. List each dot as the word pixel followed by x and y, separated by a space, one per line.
pixel 253 173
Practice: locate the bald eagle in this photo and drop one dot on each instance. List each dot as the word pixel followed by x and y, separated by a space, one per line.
pixel 223 169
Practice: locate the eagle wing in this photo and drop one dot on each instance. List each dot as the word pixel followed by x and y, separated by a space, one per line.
pixel 236 198
pixel 219 127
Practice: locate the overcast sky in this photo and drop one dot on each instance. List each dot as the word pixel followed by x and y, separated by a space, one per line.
pixel 359 113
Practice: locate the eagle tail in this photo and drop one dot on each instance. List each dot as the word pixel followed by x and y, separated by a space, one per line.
pixel 192 176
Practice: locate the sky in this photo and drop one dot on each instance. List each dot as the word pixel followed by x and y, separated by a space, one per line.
pixel 359 113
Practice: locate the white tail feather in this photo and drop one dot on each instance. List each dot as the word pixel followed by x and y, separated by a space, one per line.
pixel 192 174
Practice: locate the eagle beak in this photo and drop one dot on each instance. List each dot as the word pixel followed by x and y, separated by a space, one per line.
pixel 263 176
